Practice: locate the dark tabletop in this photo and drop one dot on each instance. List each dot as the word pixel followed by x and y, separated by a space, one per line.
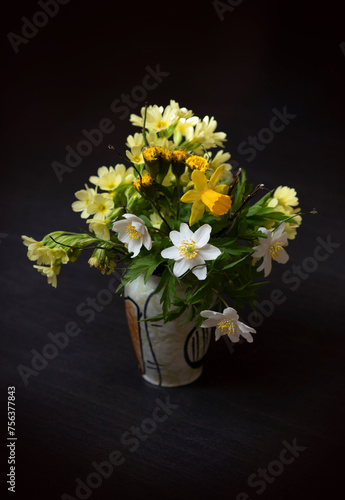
pixel 226 435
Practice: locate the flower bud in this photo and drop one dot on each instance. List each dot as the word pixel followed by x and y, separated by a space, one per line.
pixel 179 162
pixel 157 161
pixel 145 185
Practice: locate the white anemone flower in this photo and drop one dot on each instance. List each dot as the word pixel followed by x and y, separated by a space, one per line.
pixel 190 250
pixel 271 248
pixel 134 233
pixel 227 323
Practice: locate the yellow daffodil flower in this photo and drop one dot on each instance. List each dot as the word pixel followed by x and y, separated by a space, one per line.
pixel 207 194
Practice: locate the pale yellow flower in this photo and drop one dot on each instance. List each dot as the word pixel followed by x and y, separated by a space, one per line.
pixel 220 159
pixel 286 197
pixel 205 133
pixel 43 254
pixel 135 140
pixel 156 220
pixel 99 227
pixel 110 178
pixel 135 155
pixel 101 206
pixel 33 247
pixel 50 272
pixel 84 197
pixel 186 126
pixel 159 118
pixel 49 256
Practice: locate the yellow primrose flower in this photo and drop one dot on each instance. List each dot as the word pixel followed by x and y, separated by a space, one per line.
pixel 51 273
pixel 110 178
pixel 155 220
pixel 84 197
pixel 49 256
pixel 135 155
pixel 207 194
pixel 101 206
pixel 135 140
pixel 43 254
pixel 286 197
pixel 33 247
pixel 195 162
pixel 100 228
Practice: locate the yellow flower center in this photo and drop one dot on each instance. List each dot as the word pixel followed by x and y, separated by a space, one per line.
pixel 226 327
pixel 132 232
pixel 111 185
pixel 161 124
pixel 276 249
pixel 188 249
pixel 137 158
pixel 197 163
pixel 102 208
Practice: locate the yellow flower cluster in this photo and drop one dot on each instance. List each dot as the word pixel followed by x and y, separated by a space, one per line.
pixel 52 258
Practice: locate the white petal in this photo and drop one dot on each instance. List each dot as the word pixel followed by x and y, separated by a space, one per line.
pixel 260 251
pixel 171 253
pixel 267 264
pixel 210 322
pixel 120 226
pixel 278 232
pixel 244 331
pixel 283 238
pixel 200 272
pixel 283 257
pixel 147 241
pixel 132 218
pixel 124 238
pixel 134 246
pixel 202 235
pixel 209 252
pixel 208 313
pixel 176 238
pixel 180 267
pixel 230 313
pixel 186 233
pixel 245 328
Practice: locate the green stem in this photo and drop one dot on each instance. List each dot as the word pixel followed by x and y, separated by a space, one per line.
pixel 222 300
pixel 156 229
pixel 313 212
pixel 178 186
pixel 160 215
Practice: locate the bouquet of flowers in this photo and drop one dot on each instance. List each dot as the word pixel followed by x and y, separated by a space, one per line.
pixel 178 211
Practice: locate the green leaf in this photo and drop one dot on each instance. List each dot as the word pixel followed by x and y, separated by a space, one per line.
pixel 235 263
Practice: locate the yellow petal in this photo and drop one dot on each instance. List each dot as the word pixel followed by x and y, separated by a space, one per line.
pixel 216 176
pixel 222 188
pixel 200 180
pixel 198 210
pixel 190 196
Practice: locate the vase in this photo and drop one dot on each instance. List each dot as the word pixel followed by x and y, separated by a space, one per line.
pixel 169 354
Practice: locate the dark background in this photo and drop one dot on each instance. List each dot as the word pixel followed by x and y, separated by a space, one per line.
pixel 288 384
